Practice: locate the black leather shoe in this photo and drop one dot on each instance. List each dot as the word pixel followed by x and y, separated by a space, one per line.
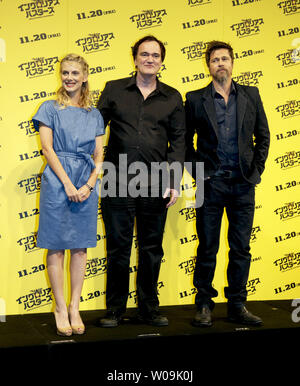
pixel 202 317
pixel 243 316
pixel 154 318
pixel 111 319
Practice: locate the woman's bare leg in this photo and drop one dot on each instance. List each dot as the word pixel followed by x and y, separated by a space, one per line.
pixel 77 272
pixel 55 268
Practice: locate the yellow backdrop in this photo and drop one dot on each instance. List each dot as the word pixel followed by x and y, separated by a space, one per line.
pixel 35 35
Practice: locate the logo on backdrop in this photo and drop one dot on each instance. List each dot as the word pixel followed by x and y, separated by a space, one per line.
pixel 288 160
pixel 254 234
pixel 28 128
pixel 195 51
pixel 252 286
pixel 290 57
pixel 188 266
pixel 39 8
pixel 288 211
pixel 289 262
pixel 95 267
pixel 28 243
pixel 290 109
pixel 289 7
pixel 148 18
pixel 247 27
pixel 188 213
pixel 35 299
pixel 95 42
pixel 248 78
pixel 39 67
pixel 31 184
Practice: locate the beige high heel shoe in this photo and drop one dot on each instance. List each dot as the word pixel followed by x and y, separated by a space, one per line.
pixel 66 331
pixel 76 329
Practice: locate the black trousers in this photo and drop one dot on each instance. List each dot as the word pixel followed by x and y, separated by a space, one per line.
pixel 237 198
pixel 119 215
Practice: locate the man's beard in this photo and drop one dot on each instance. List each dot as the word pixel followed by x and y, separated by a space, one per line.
pixel 221 78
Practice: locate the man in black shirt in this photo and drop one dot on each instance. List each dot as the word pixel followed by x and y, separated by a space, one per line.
pixel 147 133
pixel 233 142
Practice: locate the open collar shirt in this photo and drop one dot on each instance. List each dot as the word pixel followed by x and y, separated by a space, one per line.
pixel 146 130
pixel 228 152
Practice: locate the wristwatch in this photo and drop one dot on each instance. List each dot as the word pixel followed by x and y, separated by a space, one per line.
pixel 90 187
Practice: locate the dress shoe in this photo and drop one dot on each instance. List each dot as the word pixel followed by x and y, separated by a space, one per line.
pixel 111 319
pixel 153 318
pixel 202 317
pixel 243 316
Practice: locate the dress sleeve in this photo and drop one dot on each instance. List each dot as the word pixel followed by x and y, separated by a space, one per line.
pixel 100 129
pixel 45 115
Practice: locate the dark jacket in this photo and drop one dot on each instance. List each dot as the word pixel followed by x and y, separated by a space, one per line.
pixel 253 131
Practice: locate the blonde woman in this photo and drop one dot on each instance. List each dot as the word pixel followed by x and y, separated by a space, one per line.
pixel 70 131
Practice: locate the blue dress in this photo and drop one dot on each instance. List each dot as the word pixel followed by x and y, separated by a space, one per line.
pixel 64 224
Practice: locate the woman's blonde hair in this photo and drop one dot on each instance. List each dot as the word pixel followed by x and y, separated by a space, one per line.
pixel 62 96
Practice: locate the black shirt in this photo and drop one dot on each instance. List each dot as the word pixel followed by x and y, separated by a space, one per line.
pixel 148 131
pixel 228 151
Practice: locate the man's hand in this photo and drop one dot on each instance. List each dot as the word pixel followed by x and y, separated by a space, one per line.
pixel 173 196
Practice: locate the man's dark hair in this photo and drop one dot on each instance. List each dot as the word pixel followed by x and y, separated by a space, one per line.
pixel 149 38
pixel 216 45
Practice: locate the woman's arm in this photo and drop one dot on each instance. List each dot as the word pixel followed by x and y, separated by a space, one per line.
pixel 46 136
pixel 98 160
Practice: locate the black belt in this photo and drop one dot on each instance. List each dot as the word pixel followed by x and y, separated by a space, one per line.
pixel 228 174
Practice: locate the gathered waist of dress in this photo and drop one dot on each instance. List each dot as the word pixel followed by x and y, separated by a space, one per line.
pixel 79 155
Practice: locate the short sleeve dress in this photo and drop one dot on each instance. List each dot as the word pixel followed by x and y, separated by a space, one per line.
pixel 64 224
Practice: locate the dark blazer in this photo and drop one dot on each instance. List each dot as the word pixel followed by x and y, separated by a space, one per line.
pixel 253 131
